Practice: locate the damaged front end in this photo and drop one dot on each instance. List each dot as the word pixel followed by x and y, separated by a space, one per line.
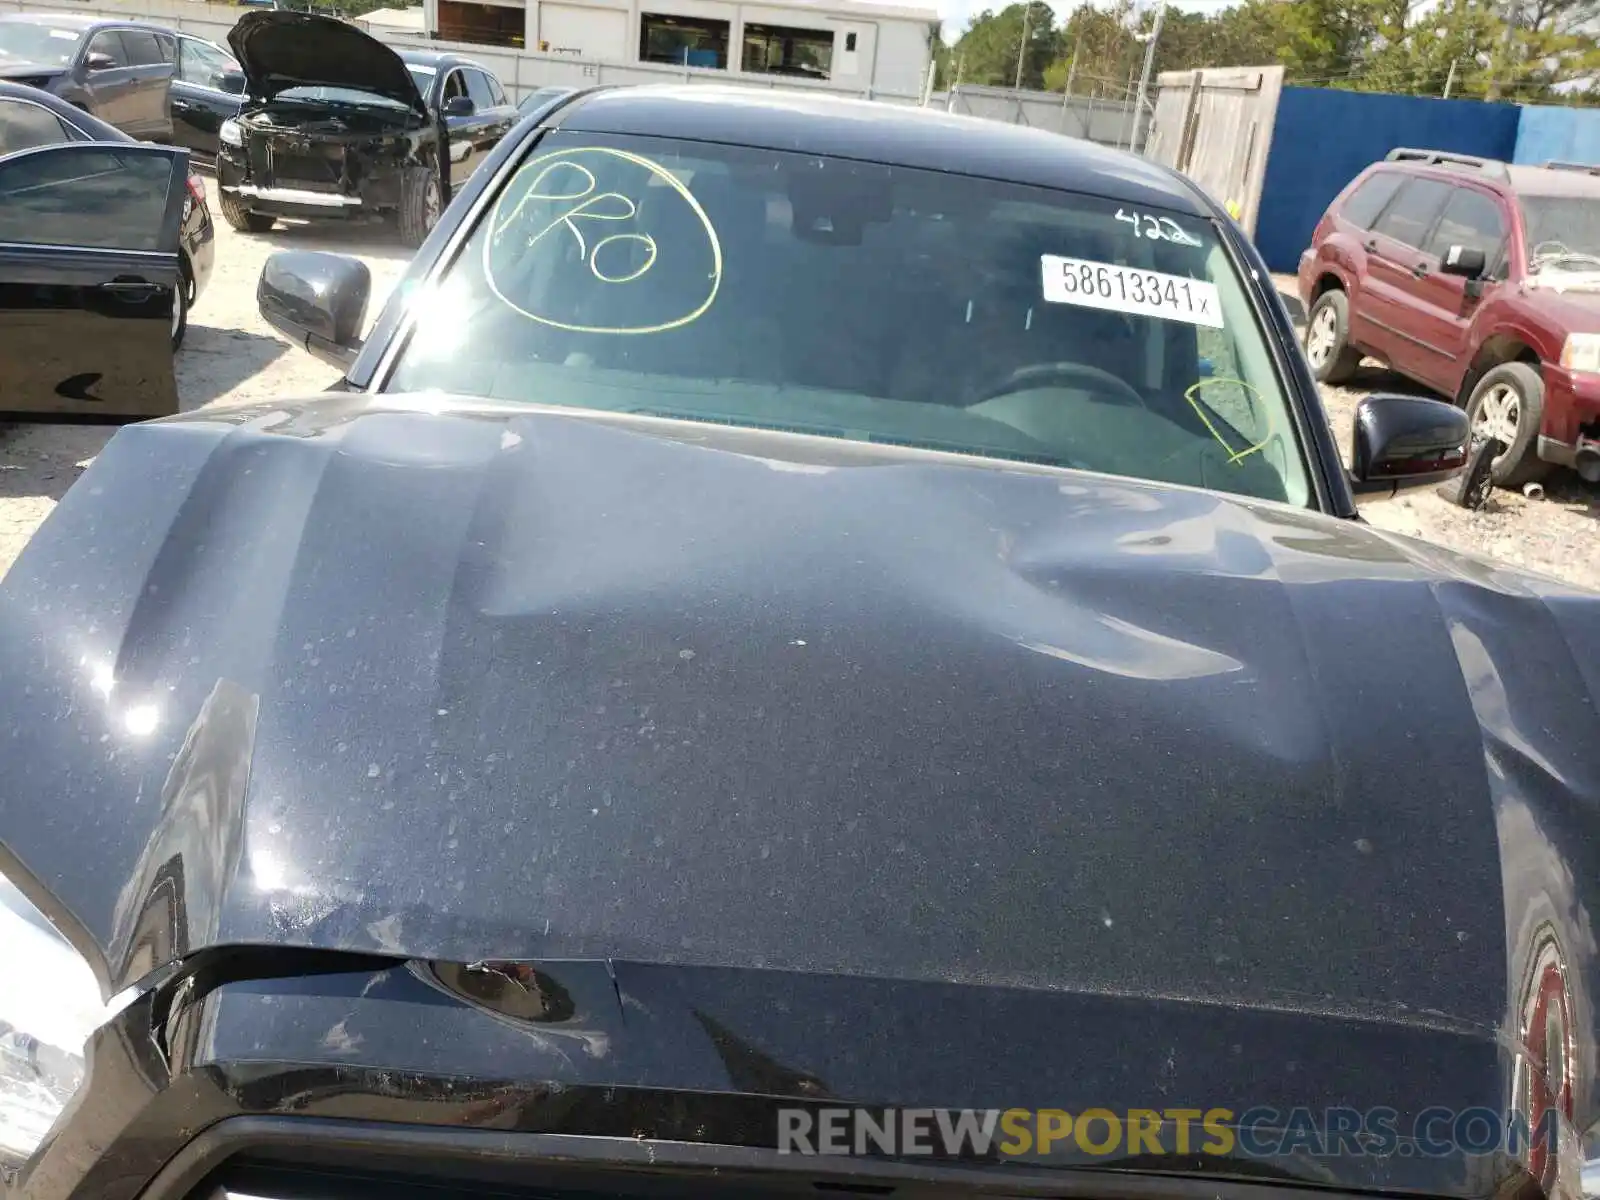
pixel 331 125
pixel 299 158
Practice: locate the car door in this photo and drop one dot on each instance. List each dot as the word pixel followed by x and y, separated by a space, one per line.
pixel 459 127
pixel 1444 305
pixel 1396 261
pixel 199 103
pixel 109 80
pixel 151 60
pixel 493 116
pixel 88 271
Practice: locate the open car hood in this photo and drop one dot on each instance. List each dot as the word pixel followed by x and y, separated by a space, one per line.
pixel 280 50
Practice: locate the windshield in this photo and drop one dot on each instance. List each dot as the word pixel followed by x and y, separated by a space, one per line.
pixel 1563 233
pixel 25 41
pixel 824 296
pixel 335 95
pixel 422 77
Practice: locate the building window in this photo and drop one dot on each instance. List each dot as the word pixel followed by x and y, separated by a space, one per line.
pixel 484 24
pixel 685 41
pixel 780 50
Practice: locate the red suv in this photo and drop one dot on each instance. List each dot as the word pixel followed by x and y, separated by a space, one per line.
pixel 1478 279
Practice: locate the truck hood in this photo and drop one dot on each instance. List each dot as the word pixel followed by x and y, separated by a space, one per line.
pixel 279 50
pixel 463 684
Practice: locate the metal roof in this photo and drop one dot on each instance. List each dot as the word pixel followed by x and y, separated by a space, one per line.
pixel 817 123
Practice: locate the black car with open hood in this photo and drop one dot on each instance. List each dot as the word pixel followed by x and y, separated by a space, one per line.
pixel 651 733
pixel 334 124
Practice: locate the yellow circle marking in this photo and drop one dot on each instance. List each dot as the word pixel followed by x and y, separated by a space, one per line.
pixel 587 209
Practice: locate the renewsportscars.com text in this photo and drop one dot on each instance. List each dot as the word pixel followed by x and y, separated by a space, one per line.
pixel 1259 1132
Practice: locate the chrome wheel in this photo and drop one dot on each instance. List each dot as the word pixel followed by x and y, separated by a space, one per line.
pixel 431 207
pixel 1322 335
pixel 1498 416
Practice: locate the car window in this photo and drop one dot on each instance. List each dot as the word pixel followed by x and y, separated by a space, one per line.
pixel 33 42
pixel 24 125
pixel 478 89
pixel 169 47
pixel 421 76
pixel 756 287
pixel 455 85
pixel 496 92
pixel 1367 201
pixel 85 195
pixel 1411 213
pixel 1470 218
pixel 200 63
pixel 108 42
pixel 1563 234
pixel 143 49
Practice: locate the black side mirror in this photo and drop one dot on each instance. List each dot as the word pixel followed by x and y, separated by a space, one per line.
pixel 99 62
pixel 1406 441
pixel 318 301
pixel 459 106
pixel 1467 261
pixel 231 82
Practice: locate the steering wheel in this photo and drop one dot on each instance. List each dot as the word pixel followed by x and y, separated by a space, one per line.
pixel 1046 374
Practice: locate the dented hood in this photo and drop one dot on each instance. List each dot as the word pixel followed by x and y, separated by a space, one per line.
pixel 279 50
pixel 472 685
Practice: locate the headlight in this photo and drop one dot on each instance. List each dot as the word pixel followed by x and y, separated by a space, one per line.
pixel 1582 353
pixel 230 134
pixel 49 1005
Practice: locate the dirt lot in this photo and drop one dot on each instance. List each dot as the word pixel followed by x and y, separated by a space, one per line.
pixel 232 357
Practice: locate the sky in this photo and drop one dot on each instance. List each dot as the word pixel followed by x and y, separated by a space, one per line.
pixel 954 13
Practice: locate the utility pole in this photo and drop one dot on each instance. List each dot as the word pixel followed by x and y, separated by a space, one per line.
pixel 1022 50
pixel 1144 75
pixel 1450 79
pixel 1506 45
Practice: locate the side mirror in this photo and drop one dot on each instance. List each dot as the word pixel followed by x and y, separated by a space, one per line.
pixel 1406 441
pixel 99 62
pixel 459 106
pixel 231 82
pixel 1467 261
pixel 318 301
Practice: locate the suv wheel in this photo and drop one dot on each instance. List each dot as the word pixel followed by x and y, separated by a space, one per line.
pixel 1328 349
pixel 240 217
pixel 1507 406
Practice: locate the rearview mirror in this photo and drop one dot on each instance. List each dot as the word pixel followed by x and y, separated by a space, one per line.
pixel 318 301
pixel 458 106
pixel 99 62
pixel 231 82
pixel 1406 441
pixel 1467 261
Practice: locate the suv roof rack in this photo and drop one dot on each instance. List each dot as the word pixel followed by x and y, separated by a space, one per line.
pixel 1448 158
pixel 1585 168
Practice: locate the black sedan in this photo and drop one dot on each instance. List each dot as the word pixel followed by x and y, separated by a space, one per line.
pixel 31 119
pixel 205 93
pixel 797 604
pixel 119 71
pixel 335 124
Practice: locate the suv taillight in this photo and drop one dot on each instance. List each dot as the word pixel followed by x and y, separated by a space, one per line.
pixel 197 189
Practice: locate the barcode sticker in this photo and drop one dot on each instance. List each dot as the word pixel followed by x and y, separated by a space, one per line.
pixel 1130 290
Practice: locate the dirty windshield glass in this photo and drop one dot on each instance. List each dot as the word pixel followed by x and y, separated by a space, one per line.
pixel 27 42
pixel 843 299
pixel 1563 233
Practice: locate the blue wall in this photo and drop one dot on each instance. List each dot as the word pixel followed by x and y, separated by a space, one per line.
pixel 1324 138
pixel 1558 135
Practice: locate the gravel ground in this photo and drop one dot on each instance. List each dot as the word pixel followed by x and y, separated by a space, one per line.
pixel 231 356
pixel 1557 535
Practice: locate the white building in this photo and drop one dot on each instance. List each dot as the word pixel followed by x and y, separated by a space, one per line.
pixel 864 47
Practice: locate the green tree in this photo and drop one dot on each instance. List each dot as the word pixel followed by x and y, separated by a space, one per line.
pixel 987 50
